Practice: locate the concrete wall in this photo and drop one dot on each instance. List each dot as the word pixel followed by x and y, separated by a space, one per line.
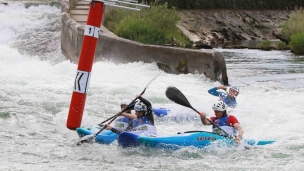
pixel 119 50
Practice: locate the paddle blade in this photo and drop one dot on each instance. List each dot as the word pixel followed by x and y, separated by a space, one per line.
pixel 86 138
pixel 177 96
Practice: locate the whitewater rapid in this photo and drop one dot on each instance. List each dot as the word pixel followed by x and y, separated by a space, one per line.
pixel 36 84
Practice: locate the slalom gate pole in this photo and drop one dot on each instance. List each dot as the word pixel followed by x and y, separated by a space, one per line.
pixel 86 59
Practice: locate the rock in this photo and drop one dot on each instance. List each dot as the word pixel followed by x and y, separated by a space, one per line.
pixel 276 33
pixel 201 45
pixel 215 28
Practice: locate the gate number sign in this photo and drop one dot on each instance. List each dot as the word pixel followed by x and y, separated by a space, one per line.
pixel 91 31
pixel 81 83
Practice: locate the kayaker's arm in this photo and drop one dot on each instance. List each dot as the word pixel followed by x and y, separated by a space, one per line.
pixel 203 118
pixel 116 131
pixel 129 115
pixel 214 91
pixel 145 101
pixel 149 112
pixel 240 131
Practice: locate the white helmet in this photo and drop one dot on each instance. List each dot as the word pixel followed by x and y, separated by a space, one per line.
pixel 140 106
pixel 125 102
pixel 233 87
pixel 219 106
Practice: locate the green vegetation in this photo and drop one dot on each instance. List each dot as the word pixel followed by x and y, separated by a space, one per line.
pixel 297 43
pixel 282 46
pixel 265 45
pixel 268 45
pixel 294 24
pixel 293 31
pixel 156 25
pixel 232 4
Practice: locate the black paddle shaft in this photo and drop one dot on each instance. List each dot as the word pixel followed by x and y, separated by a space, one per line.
pixel 115 116
pixel 178 97
pixel 90 138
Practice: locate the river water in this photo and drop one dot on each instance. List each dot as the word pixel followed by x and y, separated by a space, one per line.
pixel 36 84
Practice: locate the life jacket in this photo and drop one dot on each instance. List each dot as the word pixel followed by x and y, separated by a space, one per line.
pixel 122 123
pixel 143 126
pixel 223 124
pixel 230 101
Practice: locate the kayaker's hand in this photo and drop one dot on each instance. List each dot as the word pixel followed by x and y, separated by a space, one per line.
pixel 202 115
pixel 240 131
pixel 222 87
pixel 237 139
pixel 108 127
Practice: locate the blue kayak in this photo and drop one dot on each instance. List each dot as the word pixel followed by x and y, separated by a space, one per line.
pixel 104 137
pixel 128 139
pixel 161 112
pixel 199 139
pixel 107 136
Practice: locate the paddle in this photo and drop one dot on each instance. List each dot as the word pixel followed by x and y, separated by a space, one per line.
pixel 89 138
pixel 131 105
pixel 178 97
pixel 134 99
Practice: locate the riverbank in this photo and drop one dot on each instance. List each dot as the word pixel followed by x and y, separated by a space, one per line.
pixel 232 28
pixel 210 28
pixel 119 50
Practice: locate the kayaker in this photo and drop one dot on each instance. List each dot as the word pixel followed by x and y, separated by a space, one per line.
pixel 228 123
pixel 144 122
pixel 126 117
pixel 228 97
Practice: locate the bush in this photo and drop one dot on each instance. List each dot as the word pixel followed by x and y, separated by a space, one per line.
pixel 282 46
pixel 230 4
pixel 297 43
pixel 265 45
pixel 114 17
pixel 294 24
pixel 156 25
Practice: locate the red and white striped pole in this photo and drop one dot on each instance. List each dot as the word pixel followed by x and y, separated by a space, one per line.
pixel 85 64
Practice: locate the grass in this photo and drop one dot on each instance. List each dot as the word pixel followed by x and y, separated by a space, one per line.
pixel 297 43
pixel 156 25
pixel 294 24
pixel 265 45
pixel 293 31
pixel 282 46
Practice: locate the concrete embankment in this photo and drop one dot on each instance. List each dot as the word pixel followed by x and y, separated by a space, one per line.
pixel 119 50
pixel 32 2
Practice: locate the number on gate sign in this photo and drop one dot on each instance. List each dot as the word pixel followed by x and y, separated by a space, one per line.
pixel 82 82
pixel 91 31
